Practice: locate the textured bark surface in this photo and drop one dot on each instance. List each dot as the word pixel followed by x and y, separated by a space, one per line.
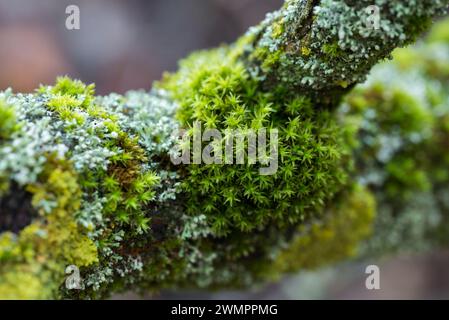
pixel 323 48
pixel 96 170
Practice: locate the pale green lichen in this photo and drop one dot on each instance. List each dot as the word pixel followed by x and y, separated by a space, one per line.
pixel 94 180
pixel 402 118
pixel 327 46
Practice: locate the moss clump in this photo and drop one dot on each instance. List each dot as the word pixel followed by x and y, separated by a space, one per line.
pixel 41 251
pixel 92 184
pixel 214 89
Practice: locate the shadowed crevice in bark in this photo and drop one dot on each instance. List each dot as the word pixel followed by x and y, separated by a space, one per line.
pixel 16 211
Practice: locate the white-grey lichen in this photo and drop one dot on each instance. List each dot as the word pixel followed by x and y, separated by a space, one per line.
pixel 326 46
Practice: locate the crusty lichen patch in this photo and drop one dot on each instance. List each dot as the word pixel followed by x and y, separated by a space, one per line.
pixel 322 48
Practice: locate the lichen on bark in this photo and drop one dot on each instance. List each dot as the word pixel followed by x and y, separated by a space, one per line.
pixel 106 198
pixel 323 48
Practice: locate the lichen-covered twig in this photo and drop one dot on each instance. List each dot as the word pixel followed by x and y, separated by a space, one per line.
pixel 323 48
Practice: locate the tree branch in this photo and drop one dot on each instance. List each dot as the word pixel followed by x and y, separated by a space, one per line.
pixel 95 189
pixel 321 49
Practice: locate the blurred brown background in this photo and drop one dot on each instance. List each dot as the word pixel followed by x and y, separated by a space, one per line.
pixel 126 45
pixel 121 45
pixel 408 276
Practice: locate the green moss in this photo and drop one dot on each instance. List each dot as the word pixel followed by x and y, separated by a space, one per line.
pixel 214 89
pixel 334 238
pixel 33 262
pixel 402 152
pixel 333 50
pixel 69 241
pixel 12 288
pixel 8 123
pixel 127 188
pixel 76 89
pixel 83 209
pixel 271 59
pixel 439 32
pixel 108 199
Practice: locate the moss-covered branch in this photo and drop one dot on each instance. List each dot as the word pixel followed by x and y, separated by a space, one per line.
pixel 88 181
